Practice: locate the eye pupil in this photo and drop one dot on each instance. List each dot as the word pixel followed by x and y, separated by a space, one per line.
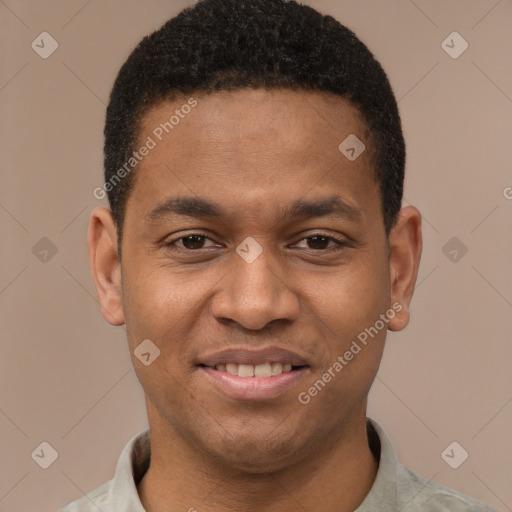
pixel 323 244
pixel 197 241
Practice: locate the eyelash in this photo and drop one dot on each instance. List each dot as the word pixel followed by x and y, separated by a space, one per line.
pixel 341 244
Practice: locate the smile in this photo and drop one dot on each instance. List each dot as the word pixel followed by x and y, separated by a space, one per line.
pixel 254 382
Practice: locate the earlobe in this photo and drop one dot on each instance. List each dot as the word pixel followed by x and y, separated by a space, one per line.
pixel 105 264
pixel 405 246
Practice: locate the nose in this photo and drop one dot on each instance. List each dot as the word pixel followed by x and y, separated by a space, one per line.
pixel 255 294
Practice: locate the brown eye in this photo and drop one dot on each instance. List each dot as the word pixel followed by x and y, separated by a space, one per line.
pixel 318 242
pixel 193 241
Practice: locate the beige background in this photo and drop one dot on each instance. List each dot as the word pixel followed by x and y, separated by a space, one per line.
pixel 66 376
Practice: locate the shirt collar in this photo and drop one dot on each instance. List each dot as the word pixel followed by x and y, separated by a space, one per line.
pixel 134 462
pixel 383 494
pixel 131 466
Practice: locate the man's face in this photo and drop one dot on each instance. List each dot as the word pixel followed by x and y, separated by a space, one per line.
pixel 254 154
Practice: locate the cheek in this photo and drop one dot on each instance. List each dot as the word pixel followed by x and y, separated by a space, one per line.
pixel 347 304
pixel 352 298
pixel 163 307
pixel 154 300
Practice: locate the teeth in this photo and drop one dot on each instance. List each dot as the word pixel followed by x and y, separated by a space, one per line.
pixel 232 368
pixel 260 370
pixel 245 370
pixel 276 368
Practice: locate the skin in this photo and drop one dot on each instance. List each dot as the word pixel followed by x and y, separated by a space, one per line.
pixel 254 152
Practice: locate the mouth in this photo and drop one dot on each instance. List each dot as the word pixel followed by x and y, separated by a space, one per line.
pixel 245 374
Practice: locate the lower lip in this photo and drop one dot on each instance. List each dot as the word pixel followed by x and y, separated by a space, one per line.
pixel 253 388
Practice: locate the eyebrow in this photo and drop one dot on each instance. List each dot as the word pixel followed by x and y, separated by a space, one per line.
pixel 200 208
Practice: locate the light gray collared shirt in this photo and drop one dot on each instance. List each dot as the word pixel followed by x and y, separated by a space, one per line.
pixel 395 489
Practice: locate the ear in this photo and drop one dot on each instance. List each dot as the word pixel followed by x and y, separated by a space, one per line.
pixel 105 264
pixel 405 246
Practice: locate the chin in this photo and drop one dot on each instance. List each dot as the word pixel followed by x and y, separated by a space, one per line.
pixel 257 451
pixel 262 462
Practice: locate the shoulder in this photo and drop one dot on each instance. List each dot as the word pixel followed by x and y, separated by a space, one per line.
pixel 406 491
pixel 97 499
pixel 119 493
pixel 417 494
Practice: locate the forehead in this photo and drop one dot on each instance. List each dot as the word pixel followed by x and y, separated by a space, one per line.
pixel 297 121
pixel 261 145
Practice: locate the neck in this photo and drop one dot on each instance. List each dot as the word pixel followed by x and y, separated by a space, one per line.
pixel 336 479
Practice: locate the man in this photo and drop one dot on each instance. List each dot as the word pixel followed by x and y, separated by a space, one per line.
pixel 257 253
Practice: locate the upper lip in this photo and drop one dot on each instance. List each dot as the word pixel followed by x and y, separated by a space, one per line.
pixel 244 355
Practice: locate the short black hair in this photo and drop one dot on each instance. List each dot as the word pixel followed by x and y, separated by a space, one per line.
pixel 220 45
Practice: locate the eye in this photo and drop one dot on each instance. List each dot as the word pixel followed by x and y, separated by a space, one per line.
pixel 189 242
pixel 320 242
